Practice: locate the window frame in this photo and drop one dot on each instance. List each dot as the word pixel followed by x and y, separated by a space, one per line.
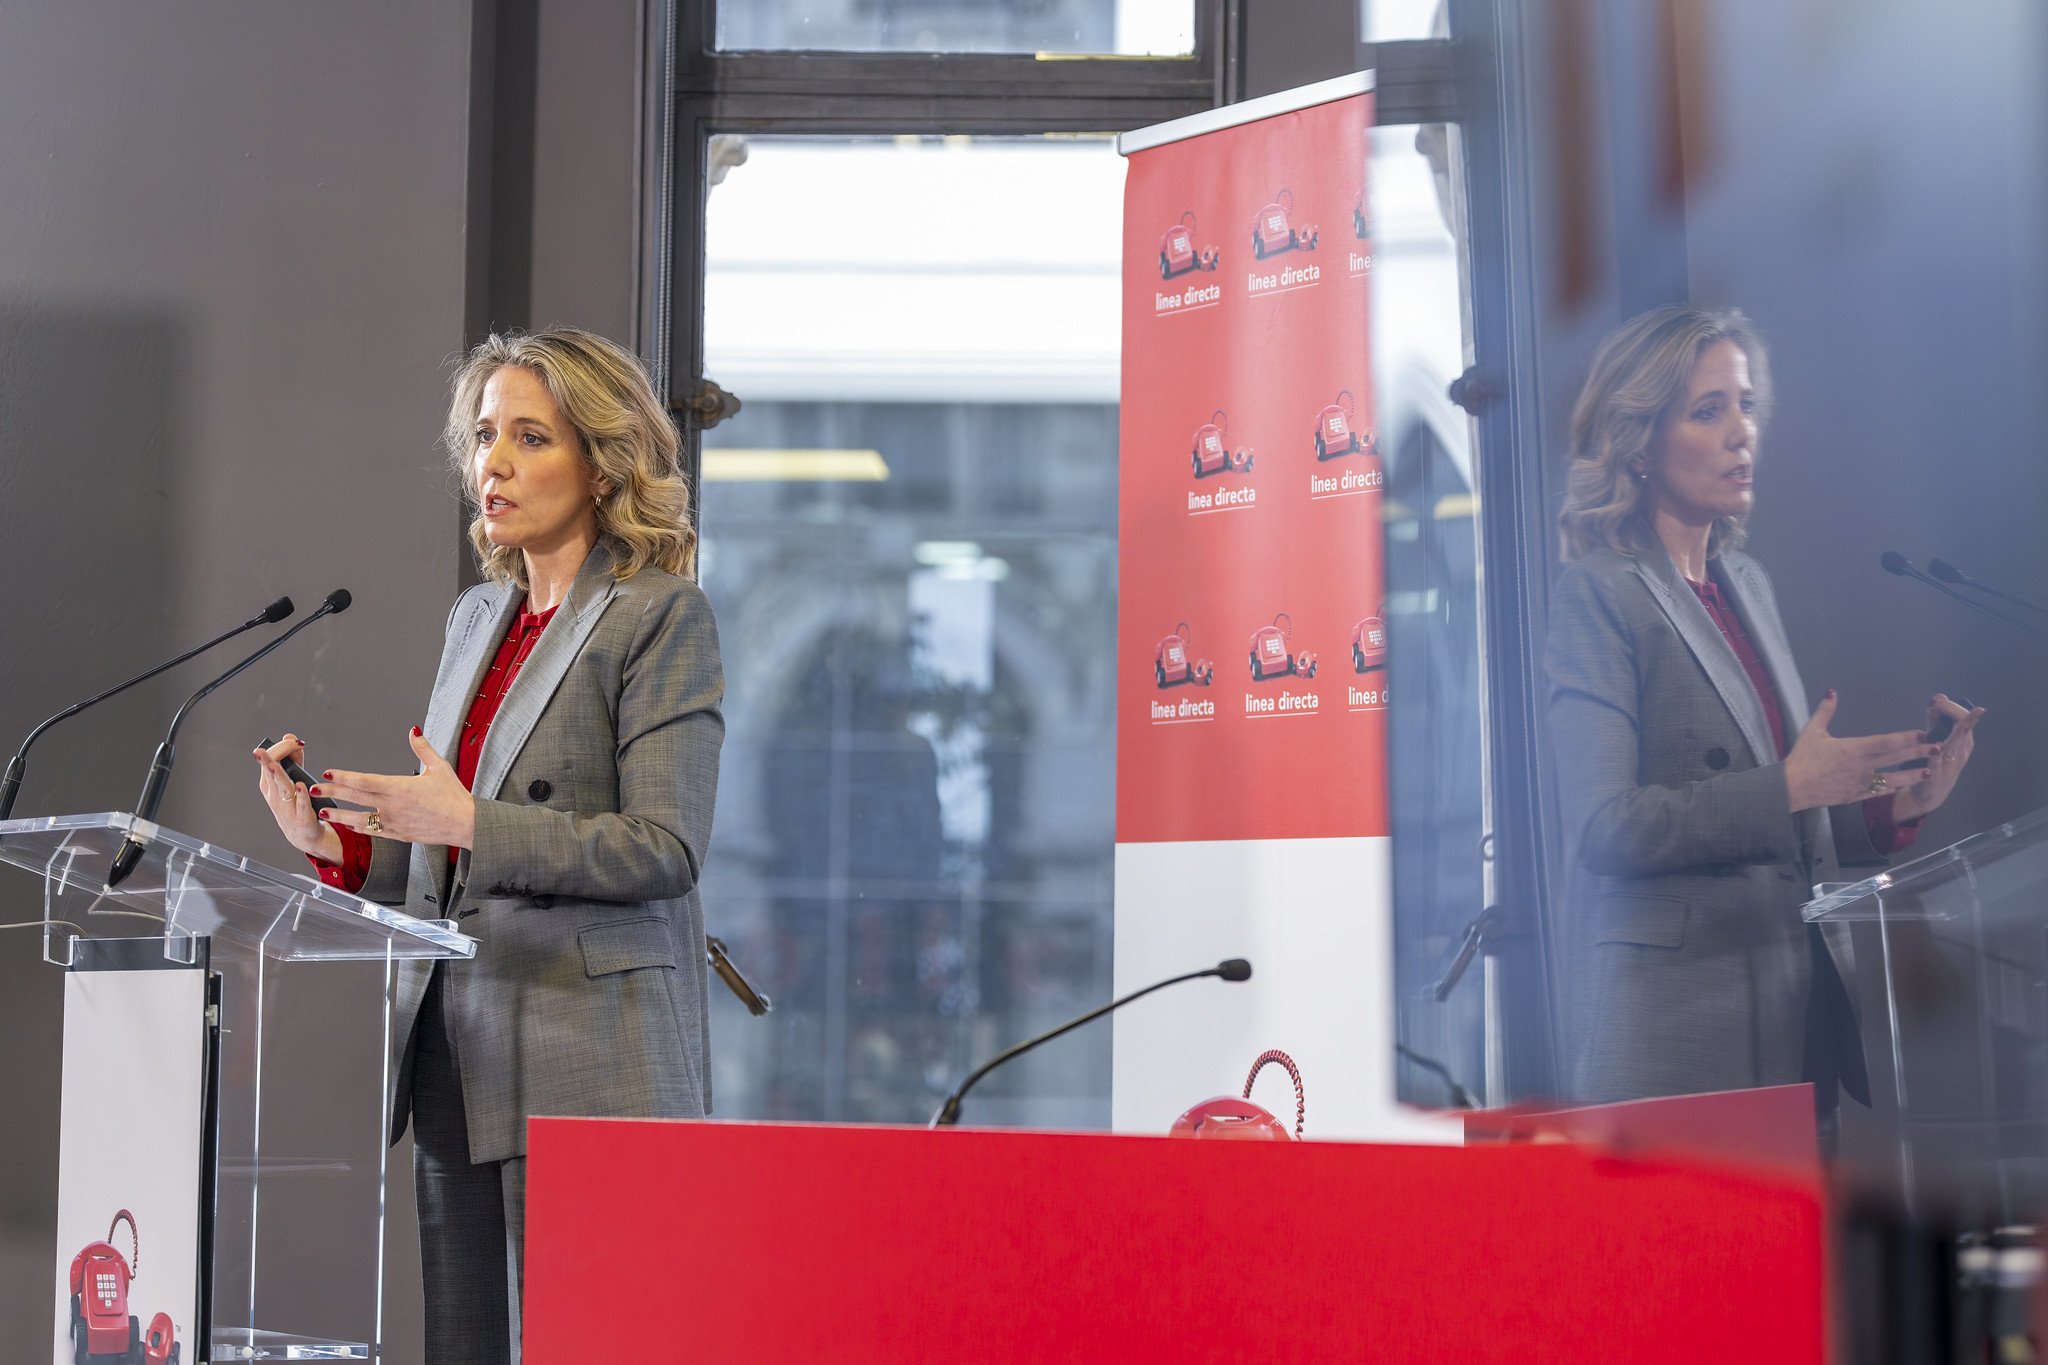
pixel 691 90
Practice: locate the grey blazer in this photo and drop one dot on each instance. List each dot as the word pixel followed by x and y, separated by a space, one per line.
pixel 1689 968
pixel 595 786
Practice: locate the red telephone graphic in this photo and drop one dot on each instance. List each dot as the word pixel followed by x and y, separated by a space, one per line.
pixel 1178 253
pixel 1228 1116
pixel 1211 455
pixel 1334 433
pixel 1369 642
pixel 102 1328
pixel 1270 652
pixel 1273 229
pixel 1170 662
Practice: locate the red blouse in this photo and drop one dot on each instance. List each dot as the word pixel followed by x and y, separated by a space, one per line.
pixel 1885 835
pixel 354 868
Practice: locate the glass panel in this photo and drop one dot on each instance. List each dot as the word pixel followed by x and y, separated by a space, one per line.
pixel 1965 964
pixel 1436 734
pixel 299 1225
pixel 1124 28
pixel 302 972
pixel 910 537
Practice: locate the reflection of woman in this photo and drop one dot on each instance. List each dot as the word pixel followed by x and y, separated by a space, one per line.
pixel 560 812
pixel 1702 800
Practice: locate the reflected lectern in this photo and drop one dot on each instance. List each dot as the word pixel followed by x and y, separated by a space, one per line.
pixel 1963 941
pixel 222 1160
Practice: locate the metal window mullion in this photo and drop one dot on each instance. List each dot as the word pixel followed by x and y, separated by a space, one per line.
pixel 807 75
pixel 1513 526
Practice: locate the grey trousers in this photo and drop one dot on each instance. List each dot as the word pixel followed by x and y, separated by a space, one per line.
pixel 472 1215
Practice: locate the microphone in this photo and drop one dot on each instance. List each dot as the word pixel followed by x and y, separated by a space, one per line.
pixel 1895 563
pixel 132 847
pixel 10 785
pixel 1232 969
pixel 1949 573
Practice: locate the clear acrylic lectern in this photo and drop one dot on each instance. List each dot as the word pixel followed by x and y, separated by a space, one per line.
pixel 291 1235
pixel 1963 945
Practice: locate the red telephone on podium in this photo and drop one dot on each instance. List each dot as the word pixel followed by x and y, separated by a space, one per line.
pixel 1232 1116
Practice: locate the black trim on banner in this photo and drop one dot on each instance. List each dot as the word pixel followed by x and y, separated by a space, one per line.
pixel 143 954
pixel 209 1175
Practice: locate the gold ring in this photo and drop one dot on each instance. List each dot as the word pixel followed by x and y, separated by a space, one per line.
pixel 375 824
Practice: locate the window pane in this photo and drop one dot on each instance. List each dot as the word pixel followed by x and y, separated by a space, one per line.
pixel 1389 21
pixel 1143 28
pixel 910 538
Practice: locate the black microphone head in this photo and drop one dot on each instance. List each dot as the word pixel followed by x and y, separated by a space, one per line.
pixel 1234 969
pixel 1894 562
pixel 1947 572
pixel 337 601
pixel 277 611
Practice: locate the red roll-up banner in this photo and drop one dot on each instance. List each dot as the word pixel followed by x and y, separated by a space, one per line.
pixel 1252 646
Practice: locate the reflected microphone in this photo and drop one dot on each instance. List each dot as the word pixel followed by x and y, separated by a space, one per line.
pixel 1233 969
pixel 131 850
pixel 1895 563
pixel 1949 573
pixel 10 785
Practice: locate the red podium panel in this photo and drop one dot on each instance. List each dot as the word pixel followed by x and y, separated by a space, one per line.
pixel 658 1241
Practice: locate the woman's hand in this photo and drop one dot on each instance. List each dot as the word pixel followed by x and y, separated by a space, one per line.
pixel 430 808
pixel 290 803
pixel 1938 778
pixel 1822 770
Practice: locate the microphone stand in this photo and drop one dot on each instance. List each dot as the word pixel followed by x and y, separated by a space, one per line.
pixel 1949 573
pixel 1895 563
pixel 10 785
pixel 132 847
pixel 1236 969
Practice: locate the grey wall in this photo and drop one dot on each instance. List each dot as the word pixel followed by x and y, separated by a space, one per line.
pixel 231 275
pixel 240 244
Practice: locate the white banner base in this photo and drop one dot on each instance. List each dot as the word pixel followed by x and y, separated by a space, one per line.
pixel 1312 917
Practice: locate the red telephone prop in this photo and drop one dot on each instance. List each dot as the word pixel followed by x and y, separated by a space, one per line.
pixel 1229 1116
pixel 102 1328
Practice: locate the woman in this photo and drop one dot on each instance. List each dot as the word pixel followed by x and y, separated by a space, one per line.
pixel 1703 802
pixel 560 812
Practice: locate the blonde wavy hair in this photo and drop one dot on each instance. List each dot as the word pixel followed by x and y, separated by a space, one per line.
pixel 626 435
pixel 1636 383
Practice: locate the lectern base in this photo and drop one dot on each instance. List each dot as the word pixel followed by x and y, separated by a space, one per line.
pixel 246 1343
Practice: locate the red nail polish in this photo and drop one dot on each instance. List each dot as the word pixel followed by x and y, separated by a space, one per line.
pixel 312 791
pixel 329 775
pixel 415 732
pixel 1831 694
